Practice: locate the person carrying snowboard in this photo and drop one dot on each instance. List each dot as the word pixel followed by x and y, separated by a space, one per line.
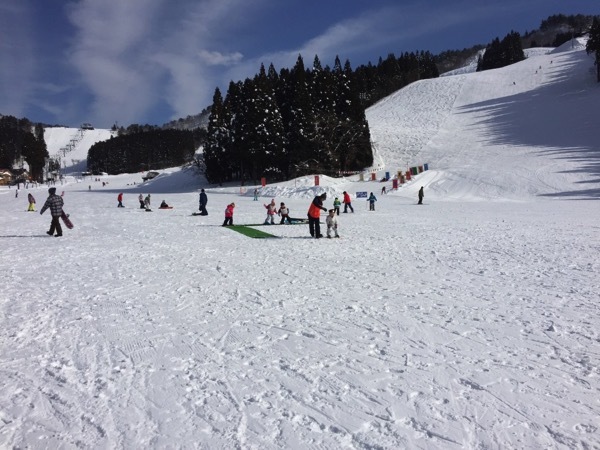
pixel 55 203
pixel 372 199
pixel 421 196
pixel 314 215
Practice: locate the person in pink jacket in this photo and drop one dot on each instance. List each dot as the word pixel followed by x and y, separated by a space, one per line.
pixel 229 214
pixel 271 211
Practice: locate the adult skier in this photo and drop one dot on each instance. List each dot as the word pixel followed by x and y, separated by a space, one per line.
pixel 203 202
pixel 314 215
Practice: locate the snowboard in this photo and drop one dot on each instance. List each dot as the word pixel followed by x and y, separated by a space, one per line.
pixel 198 214
pixel 65 218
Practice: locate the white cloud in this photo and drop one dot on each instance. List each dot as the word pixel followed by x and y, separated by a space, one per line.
pixel 138 54
pixel 218 58
pixel 131 58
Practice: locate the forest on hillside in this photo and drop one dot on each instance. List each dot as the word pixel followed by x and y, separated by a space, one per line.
pixel 287 122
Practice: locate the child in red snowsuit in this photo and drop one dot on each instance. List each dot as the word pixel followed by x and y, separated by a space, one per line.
pixel 229 214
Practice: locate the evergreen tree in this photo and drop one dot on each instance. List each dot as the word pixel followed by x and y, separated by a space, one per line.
pixel 217 141
pixel 298 118
pixel 235 113
pixel 502 53
pixel 593 45
pixel 19 138
pixel 265 135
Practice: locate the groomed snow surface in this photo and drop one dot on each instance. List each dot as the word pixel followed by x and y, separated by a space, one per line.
pixel 471 321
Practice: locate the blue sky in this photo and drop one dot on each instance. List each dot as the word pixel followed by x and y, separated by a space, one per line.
pixel 151 61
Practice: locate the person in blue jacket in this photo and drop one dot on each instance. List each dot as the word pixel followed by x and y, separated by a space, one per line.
pixel 372 199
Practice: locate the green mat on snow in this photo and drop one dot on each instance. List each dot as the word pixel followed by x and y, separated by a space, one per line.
pixel 250 232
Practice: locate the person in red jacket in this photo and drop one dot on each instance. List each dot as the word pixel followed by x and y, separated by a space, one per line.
pixel 347 202
pixel 120 200
pixel 229 214
pixel 314 215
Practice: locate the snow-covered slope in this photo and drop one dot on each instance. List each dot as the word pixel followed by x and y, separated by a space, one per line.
pixel 520 131
pixel 443 326
pixel 71 145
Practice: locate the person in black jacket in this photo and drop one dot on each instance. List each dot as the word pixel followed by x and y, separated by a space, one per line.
pixel 203 202
pixel 421 195
pixel 55 203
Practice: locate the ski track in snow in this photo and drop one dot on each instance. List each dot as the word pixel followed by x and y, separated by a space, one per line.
pixel 468 322
pixel 484 335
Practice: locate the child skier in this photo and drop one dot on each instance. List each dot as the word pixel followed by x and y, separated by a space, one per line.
pixel 271 211
pixel 229 214
pixel 372 199
pixel 284 212
pixel 336 205
pixel 31 202
pixel 332 223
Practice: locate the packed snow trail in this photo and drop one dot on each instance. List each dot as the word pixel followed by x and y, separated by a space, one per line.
pixel 512 133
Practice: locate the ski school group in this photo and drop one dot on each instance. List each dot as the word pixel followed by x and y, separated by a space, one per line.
pixel 55 203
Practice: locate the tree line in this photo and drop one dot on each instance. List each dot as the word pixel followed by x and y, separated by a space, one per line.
pixel 501 53
pixel 282 124
pixel 22 140
pixel 142 148
pixel 296 121
pixel 593 45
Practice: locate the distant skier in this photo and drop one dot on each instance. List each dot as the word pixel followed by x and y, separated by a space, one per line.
pixel 372 199
pixel 203 202
pixel 141 200
pixel 255 195
pixel 147 202
pixel 31 201
pixel 421 196
pixel 120 200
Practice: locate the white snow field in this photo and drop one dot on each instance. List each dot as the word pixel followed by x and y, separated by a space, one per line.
pixel 470 322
